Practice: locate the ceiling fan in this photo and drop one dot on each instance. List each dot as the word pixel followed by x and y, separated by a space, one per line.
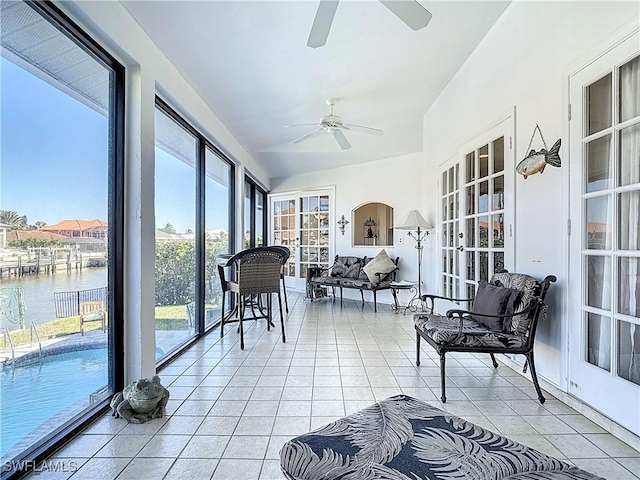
pixel 333 125
pixel 409 11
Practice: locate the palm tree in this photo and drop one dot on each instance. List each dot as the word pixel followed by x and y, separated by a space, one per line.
pixel 11 218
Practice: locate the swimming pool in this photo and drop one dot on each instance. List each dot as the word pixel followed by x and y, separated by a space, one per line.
pixel 34 393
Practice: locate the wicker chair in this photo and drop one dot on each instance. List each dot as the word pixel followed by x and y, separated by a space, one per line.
pixel 256 271
pixel 471 331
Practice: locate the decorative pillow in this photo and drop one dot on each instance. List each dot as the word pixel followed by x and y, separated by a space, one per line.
pixel 363 274
pixel 495 300
pixel 381 263
pixel 338 269
pixel 353 271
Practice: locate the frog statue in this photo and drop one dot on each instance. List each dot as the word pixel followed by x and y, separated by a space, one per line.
pixel 141 401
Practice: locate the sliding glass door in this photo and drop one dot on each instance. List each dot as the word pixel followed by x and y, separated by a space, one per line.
pixel 62 114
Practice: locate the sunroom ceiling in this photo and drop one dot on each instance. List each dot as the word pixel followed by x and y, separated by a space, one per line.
pixel 250 63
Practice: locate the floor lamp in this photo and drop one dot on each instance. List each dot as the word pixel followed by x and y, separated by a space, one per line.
pixel 418 229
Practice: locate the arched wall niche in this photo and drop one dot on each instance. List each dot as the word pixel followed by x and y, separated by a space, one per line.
pixel 372 225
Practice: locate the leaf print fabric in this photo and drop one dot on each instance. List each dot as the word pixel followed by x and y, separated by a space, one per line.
pixel 403 438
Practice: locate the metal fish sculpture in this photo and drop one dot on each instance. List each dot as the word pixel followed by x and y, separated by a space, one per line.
pixel 536 161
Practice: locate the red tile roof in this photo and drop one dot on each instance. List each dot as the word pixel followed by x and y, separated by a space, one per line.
pixel 75 225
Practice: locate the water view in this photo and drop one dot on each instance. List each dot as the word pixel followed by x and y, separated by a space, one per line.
pixel 39 292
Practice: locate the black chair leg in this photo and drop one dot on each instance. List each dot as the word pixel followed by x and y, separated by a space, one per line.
pixel 268 312
pixel 493 359
pixel 534 376
pixel 284 288
pixel 340 297
pixel 375 302
pixel 222 317
pixel 281 316
pixel 442 361
pixel 362 296
pixel 417 349
pixel 242 307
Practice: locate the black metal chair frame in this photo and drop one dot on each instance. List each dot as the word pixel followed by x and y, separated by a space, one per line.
pixel 286 253
pixel 534 309
pixel 256 271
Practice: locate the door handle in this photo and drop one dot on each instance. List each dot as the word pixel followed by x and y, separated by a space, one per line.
pixel 460 248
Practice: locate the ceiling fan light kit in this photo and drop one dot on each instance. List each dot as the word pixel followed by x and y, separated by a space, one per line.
pixel 414 15
pixel 333 125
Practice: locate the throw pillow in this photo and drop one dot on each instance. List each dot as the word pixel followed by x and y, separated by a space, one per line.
pixel 339 268
pixel 380 264
pixel 353 271
pixel 363 274
pixel 494 300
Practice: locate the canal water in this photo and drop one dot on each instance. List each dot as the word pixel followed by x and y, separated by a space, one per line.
pixel 39 290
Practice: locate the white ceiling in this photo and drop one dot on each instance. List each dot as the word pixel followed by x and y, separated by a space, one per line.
pixel 250 63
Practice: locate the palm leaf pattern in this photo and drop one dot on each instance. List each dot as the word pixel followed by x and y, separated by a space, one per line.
pixel 402 438
pixel 304 464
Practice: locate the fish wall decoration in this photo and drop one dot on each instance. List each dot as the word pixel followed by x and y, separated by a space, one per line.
pixel 535 162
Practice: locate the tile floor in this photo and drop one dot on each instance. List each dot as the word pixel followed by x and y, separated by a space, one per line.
pixel 231 410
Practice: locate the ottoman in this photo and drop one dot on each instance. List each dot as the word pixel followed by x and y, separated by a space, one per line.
pixel 402 438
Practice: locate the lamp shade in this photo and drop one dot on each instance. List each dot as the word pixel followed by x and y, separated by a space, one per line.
pixel 413 220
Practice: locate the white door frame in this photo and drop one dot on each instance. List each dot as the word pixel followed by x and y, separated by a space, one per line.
pixel 296 283
pixel 602 390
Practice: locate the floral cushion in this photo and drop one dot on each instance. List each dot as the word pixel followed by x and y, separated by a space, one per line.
pixel 407 439
pixel 444 330
pixel 346 267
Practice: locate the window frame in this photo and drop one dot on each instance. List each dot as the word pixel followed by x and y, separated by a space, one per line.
pixel 200 169
pixel 254 190
pixel 40 450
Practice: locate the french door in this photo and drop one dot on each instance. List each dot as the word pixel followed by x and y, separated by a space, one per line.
pixel 604 325
pixel 476 214
pixel 301 221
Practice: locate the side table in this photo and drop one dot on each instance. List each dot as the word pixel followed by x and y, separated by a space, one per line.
pixel 397 286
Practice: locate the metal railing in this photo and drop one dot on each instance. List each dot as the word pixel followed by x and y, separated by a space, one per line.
pixel 32 329
pixel 5 334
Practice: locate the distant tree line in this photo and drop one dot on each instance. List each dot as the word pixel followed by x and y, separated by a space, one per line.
pixel 15 221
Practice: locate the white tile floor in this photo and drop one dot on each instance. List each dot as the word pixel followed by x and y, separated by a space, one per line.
pixel 231 410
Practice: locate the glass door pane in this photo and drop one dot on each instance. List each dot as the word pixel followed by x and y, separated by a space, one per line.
pixel 57 163
pixel 485 211
pixel 175 208
pixel 450 226
pixel 217 207
pixel 604 328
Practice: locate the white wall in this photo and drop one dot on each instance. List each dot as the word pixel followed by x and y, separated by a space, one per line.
pixel 524 62
pixel 396 182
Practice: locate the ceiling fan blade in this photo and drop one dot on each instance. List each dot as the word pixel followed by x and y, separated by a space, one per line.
pixel 322 23
pixel 302 125
pixel 308 135
pixel 410 12
pixel 360 128
pixel 341 139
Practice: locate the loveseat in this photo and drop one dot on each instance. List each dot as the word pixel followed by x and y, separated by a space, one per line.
pixel 361 273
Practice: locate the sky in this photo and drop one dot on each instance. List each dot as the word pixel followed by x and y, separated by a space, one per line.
pixel 54 160
pixel 54 157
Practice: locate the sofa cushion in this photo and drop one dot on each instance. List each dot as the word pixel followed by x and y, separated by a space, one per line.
pixel 446 331
pixel 346 267
pixel 494 300
pixel 381 263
